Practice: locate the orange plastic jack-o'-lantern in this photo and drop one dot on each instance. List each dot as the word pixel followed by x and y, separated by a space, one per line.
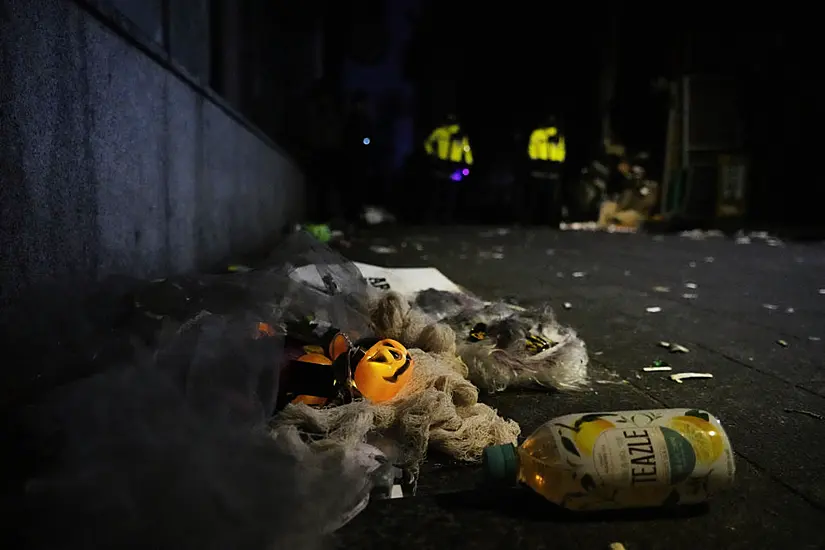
pixel 382 368
pixel 318 359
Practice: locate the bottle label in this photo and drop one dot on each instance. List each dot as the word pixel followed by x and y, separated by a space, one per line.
pixel 638 458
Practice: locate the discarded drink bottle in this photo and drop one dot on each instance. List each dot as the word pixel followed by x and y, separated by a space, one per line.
pixel 625 459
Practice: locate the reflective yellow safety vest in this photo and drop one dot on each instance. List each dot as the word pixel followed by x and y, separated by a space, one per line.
pixel 447 143
pixel 547 144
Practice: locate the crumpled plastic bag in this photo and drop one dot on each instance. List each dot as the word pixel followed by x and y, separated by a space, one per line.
pixel 504 359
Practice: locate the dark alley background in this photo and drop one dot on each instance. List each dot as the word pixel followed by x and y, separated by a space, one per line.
pixel 163 136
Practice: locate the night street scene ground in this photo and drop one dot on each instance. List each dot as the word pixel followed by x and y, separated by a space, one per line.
pixel 409 274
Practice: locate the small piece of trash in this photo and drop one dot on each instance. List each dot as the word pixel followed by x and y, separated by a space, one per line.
pixel 578 274
pixel 743 240
pixel 822 290
pixel 771 307
pixel 487 255
pixel 627 273
pixel 691 285
pixel 567 305
pixel 689 296
pixel 598 352
pixel 380 249
pixel 681 376
pixel 782 343
pixel 709 259
pixel 789 310
pixel 396 492
pixel 654 309
pixel 674 348
pixel 814 338
pixel 806 413
pixel 657 369
pixel 661 289
pixel 692 264
pixel 418 246
pixel 559 274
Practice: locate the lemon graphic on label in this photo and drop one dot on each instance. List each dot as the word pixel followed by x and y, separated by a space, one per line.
pixel 704 437
pixel 586 431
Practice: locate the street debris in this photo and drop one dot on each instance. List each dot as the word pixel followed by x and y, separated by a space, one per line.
pixel 699 235
pixel 822 290
pixel 679 377
pixel 616 546
pixel 814 338
pixel 772 307
pixel 691 286
pixel 627 273
pixel 789 310
pixel 782 343
pixel 661 289
pixel 812 414
pixel 689 296
pixel 375 215
pixel 663 368
pixel 578 274
pixel 500 232
pixel 381 249
pixel 559 274
pixel 490 255
pixel 653 309
pixel 567 305
pixel 673 348
pixel 692 264
pixel 709 259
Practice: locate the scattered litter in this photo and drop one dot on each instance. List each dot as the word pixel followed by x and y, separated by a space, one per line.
pixel 699 235
pixel 418 246
pixel 822 290
pixel 336 234
pixel 598 352
pixel 578 274
pixel 663 368
pixel 654 309
pixel 812 414
pixel 743 239
pixel 789 310
pixel 691 285
pixel 692 264
pixel 782 343
pixel 559 274
pixel 490 255
pixel 239 269
pixel 396 492
pixel 709 259
pixel 681 376
pixel 375 215
pixel 380 249
pixel 674 348
pixel 689 296
pixel 661 289
pixel 814 338
pixel 771 307
pixel 568 305
pixel 500 232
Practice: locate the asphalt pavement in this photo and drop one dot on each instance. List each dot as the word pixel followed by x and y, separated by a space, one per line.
pixel 753 315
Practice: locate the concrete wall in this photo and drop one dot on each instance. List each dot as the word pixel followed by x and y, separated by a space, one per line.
pixel 110 162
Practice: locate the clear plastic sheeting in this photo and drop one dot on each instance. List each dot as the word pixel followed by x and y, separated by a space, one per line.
pixel 132 462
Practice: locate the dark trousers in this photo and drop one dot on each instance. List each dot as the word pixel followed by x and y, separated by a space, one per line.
pixel 543 195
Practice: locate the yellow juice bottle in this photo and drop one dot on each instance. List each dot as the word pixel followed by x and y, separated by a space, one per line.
pixel 624 459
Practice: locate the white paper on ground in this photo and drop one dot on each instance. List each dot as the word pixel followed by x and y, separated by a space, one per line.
pixel 407 281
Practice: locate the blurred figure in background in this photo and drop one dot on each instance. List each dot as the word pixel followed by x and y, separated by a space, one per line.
pixel 448 150
pixel 632 205
pixel 546 153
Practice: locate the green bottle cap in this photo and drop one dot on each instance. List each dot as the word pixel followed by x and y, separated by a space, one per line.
pixel 500 463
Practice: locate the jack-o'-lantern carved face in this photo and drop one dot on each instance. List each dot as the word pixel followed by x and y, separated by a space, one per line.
pixel 382 368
